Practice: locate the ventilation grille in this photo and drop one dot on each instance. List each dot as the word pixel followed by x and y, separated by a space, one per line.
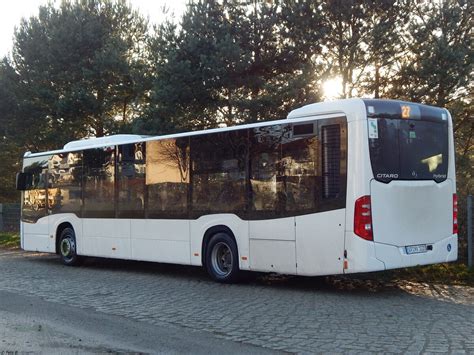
pixel 331 151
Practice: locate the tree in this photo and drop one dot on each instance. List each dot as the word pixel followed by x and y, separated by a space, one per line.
pixel 187 71
pixel 362 43
pixel 231 62
pixel 10 152
pixel 282 38
pixel 80 71
pixel 384 46
pixel 438 68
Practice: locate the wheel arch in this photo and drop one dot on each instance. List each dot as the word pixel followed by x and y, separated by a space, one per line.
pixel 59 230
pixel 210 232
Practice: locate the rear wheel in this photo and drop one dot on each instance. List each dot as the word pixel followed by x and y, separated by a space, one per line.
pixel 222 258
pixel 67 248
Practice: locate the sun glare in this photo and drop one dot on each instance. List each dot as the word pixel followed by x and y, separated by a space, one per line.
pixel 332 88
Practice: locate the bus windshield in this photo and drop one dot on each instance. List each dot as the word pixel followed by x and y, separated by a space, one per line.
pixel 402 149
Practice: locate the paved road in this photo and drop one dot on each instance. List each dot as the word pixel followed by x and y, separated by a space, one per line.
pixel 29 324
pixel 299 315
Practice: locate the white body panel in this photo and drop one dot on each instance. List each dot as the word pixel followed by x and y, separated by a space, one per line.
pixel 36 236
pixel 106 238
pixel 160 240
pixel 165 251
pixel 273 255
pixel 418 212
pixel 272 245
pixel 39 228
pixel 39 242
pixel 320 243
pixel 361 256
pixel 275 229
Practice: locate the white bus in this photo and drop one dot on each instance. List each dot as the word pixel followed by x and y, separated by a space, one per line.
pixel 337 187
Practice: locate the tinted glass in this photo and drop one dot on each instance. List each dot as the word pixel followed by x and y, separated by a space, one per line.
pixel 167 178
pixel 65 176
pixel 267 171
pixel 423 150
pixel 300 169
pixel 384 148
pixel 35 200
pixel 408 149
pixel 99 191
pixel 131 180
pixel 219 172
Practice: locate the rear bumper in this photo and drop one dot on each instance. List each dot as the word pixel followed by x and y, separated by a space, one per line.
pixel 368 256
pixel 395 257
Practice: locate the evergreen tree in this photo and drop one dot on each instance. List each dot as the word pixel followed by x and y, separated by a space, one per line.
pixel 438 68
pixel 232 62
pixel 10 152
pixel 80 71
pixel 384 43
pixel 362 43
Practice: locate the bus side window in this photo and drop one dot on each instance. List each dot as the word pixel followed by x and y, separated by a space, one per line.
pixel 99 183
pixel 219 172
pixel 300 170
pixel 65 183
pixel 266 184
pixel 131 180
pixel 35 199
pixel 167 178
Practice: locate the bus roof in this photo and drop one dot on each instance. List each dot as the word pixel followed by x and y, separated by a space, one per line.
pixel 104 141
pixel 319 110
pixel 327 107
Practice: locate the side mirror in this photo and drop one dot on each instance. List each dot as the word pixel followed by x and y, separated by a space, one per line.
pixel 24 181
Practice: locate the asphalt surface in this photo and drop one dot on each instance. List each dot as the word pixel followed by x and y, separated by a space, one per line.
pixel 122 306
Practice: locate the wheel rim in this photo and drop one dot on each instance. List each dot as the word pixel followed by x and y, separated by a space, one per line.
pixel 222 260
pixel 67 248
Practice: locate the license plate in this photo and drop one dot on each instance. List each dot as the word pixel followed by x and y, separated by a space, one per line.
pixel 416 249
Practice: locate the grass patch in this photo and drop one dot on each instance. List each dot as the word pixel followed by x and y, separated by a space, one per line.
pixel 9 240
pixel 448 274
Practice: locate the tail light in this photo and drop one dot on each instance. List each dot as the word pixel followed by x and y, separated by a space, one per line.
pixel 455 214
pixel 363 218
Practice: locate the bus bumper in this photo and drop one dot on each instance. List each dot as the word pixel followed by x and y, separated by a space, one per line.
pixel 394 257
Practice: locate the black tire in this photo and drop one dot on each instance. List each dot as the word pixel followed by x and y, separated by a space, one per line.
pixel 67 248
pixel 222 258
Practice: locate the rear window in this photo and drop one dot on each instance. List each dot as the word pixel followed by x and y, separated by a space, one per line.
pixel 405 149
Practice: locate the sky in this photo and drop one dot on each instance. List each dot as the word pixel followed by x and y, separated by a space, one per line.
pixel 13 11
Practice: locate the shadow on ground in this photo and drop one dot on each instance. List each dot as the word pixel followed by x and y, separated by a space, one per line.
pixel 361 283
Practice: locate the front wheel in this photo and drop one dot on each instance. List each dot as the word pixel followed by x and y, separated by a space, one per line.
pixel 67 248
pixel 222 258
